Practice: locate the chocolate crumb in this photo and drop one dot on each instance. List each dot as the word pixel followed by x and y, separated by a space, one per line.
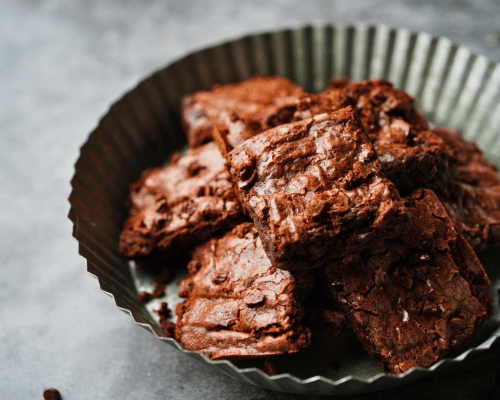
pixel 165 277
pixel 269 366
pixel 159 290
pixel 335 365
pixel 51 394
pixel 164 312
pixel 168 328
pixel 145 297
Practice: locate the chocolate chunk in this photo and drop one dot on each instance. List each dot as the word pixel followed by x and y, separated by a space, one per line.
pixel 256 311
pixel 51 394
pixel 315 190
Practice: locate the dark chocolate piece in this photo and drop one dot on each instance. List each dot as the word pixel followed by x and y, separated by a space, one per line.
pixel 316 190
pixel 178 206
pixel 168 328
pixel 145 297
pixel 164 312
pixel 412 299
pixel 238 304
pixel 410 153
pixel 239 110
pixel 472 198
pixel 51 394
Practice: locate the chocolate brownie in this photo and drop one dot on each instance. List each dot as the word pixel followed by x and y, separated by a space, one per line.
pixel 175 207
pixel 472 198
pixel 316 190
pixel 238 304
pixel 239 110
pixel 410 153
pixel 415 297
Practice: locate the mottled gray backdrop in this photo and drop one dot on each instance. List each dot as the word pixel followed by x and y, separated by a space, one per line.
pixel 62 63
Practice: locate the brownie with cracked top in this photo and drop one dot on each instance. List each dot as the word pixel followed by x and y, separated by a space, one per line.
pixel 472 198
pixel 315 190
pixel 238 305
pixel 415 297
pixel 173 208
pixel 239 110
pixel 410 152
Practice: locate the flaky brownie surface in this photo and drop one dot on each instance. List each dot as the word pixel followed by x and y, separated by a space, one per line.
pixel 316 190
pixel 239 110
pixel 410 153
pixel 175 207
pixel 418 296
pixel 472 198
pixel 238 305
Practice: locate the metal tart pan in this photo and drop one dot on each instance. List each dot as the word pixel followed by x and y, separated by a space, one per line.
pixel 453 88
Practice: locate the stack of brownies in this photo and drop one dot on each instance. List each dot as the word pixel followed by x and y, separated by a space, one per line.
pixel 342 210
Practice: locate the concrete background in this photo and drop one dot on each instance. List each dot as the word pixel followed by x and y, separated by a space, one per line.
pixel 62 63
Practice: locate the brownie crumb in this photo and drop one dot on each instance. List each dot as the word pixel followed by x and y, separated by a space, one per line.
pixel 145 297
pixel 159 290
pixel 168 328
pixel 165 277
pixel 335 365
pixel 269 366
pixel 51 394
pixel 164 312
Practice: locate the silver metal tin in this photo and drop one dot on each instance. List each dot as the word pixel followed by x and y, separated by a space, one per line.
pixel 453 88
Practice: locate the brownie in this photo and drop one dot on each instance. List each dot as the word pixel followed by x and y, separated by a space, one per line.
pixel 239 110
pixel 315 190
pixel 238 305
pixel 410 153
pixel 472 198
pixel 175 207
pixel 415 297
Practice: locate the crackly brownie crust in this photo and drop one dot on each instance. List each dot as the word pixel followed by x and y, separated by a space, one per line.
pixel 239 110
pixel 175 207
pixel 239 305
pixel 416 297
pixel 410 153
pixel 316 190
pixel 472 198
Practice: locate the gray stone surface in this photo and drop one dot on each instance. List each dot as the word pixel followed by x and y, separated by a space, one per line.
pixel 62 63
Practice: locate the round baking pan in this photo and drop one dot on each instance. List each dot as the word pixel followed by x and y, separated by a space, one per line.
pixel 453 88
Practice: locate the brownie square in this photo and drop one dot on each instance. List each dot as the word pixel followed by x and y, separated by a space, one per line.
pixel 315 190
pixel 238 304
pixel 412 299
pixel 239 110
pixel 173 208
pixel 410 153
pixel 472 196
